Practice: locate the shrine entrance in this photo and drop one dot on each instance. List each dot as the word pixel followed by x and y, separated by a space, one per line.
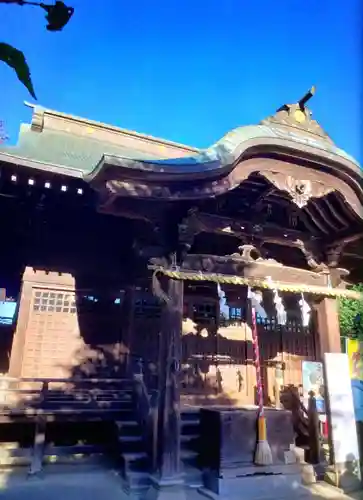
pixel 217 350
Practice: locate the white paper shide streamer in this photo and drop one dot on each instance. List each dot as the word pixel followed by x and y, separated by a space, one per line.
pixel 279 305
pixel 256 299
pixel 305 311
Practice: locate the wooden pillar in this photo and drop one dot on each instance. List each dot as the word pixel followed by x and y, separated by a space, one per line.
pixel 328 326
pixel 328 332
pixel 167 480
pixel 127 339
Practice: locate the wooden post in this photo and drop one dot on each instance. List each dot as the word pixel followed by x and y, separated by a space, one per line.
pixel 167 480
pixel 314 430
pixel 128 308
pixel 328 330
pixel 328 326
pixel 39 437
pixel 36 465
pixel 279 381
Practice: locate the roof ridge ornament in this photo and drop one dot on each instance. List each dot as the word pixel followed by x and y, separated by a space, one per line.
pixel 298 116
pixel 37 123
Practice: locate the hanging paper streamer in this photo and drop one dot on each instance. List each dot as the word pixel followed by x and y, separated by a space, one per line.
pixel 279 305
pixel 223 307
pixel 256 299
pixel 305 311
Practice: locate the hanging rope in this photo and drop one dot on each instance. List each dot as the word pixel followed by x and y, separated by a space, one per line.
pixel 256 352
pixel 263 455
pixel 257 283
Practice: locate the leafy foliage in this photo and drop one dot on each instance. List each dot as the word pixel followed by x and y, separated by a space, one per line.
pixel 16 60
pixel 57 16
pixel 351 315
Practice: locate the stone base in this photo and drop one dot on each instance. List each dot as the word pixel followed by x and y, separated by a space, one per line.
pixel 255 483
pixel 173 489
pixel 260 488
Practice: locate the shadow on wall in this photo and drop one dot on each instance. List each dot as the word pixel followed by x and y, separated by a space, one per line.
pixel 99 332
pixel 214 365
pixel 108 360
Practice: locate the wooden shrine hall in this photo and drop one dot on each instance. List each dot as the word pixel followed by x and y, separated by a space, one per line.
pixel 126 252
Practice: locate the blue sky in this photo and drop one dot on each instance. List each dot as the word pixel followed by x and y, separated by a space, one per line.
pixel 190 70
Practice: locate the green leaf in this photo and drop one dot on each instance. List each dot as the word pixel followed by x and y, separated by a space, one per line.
pixel 16 60
pixel 351 315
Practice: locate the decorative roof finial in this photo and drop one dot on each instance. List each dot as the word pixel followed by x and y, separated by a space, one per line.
pixel 298 116
pixel 306 97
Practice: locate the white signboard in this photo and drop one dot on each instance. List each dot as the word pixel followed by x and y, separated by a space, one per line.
pixel 344 432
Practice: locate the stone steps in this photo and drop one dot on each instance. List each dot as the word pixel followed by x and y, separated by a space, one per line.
pixel 133 461
pixel 189 447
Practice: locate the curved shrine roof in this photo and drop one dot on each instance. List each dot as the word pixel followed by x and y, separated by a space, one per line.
pixel 65 150
pixel 82 148
pixel 230 148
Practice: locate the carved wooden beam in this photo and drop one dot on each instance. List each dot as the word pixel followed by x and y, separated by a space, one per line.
pixel 345 240
pixel 334 254
pixel 188 228
pixel 247 266
pixel 262 197
pixel 301 184
pixel 244 229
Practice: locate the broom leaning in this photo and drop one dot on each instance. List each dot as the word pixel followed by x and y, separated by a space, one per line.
pixel 263 455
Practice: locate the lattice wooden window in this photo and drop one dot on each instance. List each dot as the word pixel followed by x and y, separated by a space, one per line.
pixel 235 314
pixel 60 302
pixel 205 313
pixel 268 324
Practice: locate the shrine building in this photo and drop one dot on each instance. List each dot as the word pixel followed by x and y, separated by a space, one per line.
pixel 104 228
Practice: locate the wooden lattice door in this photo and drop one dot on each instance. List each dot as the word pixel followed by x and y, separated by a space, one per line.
pixel 287 345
